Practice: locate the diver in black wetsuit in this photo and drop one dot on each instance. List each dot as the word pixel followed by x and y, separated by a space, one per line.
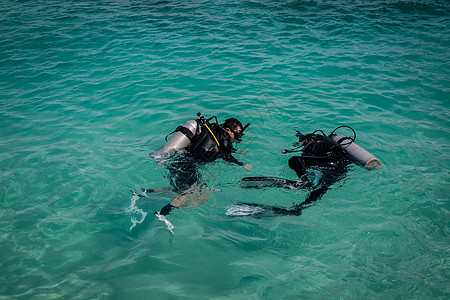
pixel 319 152
pixel 214 141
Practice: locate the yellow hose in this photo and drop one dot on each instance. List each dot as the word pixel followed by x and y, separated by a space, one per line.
pixel 213 135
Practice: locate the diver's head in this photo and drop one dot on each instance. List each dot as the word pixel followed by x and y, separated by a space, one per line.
pixel 234 128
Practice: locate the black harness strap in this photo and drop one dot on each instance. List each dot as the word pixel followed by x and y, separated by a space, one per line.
pixel 343 139
pixel 185 131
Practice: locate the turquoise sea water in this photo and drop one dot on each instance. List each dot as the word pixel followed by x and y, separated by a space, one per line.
pixel 89 88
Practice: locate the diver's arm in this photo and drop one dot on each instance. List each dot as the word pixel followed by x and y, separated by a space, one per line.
pixel 226 151
pixel 230 158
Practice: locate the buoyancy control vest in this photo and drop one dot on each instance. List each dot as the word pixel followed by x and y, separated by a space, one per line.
pixel 209 143
pixel 334 145
pixel 321 145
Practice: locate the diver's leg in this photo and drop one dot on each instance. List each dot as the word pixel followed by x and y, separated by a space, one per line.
pixel 181 179
pixel 181 198
pixel 312 197
pixel 296 164
pixel 296 209
pixel 329 177
pixel 192 197
pixel 183 173
pixel 187 182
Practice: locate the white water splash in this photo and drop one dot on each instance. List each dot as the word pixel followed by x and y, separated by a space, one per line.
pixel 133 209
pixel 163 219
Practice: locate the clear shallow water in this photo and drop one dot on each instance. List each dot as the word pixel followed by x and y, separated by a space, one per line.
pixel 88 89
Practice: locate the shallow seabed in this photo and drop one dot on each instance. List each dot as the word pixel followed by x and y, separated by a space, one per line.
pixel 89 88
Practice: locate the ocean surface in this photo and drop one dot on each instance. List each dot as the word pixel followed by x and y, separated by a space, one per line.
pixel 89 88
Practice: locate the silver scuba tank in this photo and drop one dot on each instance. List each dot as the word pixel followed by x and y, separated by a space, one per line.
pixel 356 153
pixel 177 143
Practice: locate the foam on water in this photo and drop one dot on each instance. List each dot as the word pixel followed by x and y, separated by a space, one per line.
pixel 135 211
pixel 169 225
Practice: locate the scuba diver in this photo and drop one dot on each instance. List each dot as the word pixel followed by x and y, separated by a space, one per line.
pixel 199 141
pixel 329 155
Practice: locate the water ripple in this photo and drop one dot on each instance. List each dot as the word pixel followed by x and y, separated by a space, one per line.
pixel 87 91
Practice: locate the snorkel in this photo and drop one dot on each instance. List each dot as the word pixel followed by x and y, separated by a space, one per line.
pixel 238 135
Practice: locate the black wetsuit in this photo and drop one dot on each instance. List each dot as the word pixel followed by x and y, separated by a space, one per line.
pixel 320 152
pixel 204 148
pixel 323 153
pixel 207 146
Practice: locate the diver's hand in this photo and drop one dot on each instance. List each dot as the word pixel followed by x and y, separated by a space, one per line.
pixel 248 167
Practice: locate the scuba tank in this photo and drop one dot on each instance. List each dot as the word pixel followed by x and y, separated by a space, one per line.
pixel 182 138
pixel 178 142
pixel 356 153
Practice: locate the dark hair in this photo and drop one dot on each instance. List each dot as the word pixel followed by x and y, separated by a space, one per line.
pixel 232 124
